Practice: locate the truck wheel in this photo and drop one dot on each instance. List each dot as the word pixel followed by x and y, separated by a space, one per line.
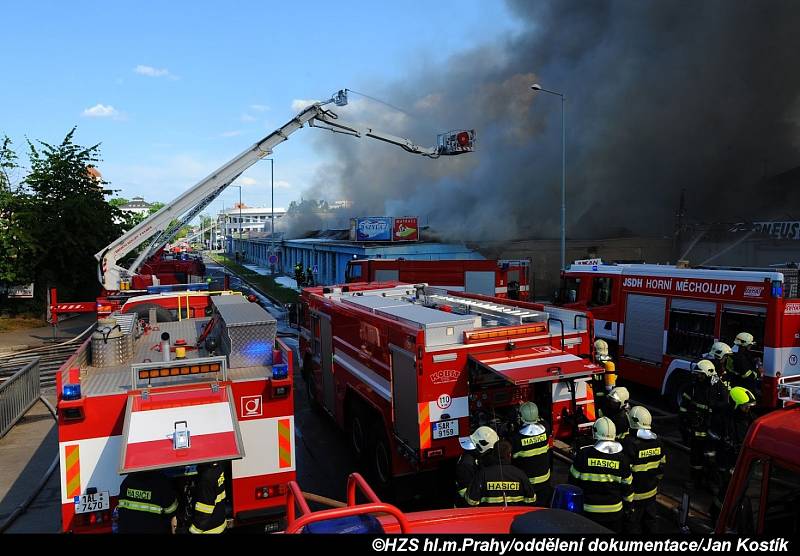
pixel 357 430
pixel 308 378
pixel 381 456
pixel 676 386
pixel 143 312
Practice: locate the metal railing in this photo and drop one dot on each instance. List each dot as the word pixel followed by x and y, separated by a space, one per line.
pixel 18 394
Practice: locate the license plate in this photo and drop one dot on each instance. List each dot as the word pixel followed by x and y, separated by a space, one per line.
pixel 96 502
pixel 445 429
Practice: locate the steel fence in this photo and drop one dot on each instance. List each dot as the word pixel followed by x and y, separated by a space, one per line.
pixel 18 394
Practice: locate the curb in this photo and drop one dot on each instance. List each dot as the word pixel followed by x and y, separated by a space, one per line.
pixel 16 347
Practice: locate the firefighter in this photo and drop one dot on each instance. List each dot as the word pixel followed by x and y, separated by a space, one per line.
pixel 739 418
pixel 298 274
pixel 615 407
pixel 309 277
pixel 603 471
pixel 147 503
pixel 209 514
pixel 498 482
pixel 531 451
pixel 466 469
pixel 720 354
pixel 647 457
pixel 694 415
pixel 603 359
pixel 743 368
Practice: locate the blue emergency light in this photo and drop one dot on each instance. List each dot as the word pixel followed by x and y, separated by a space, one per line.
pixel 568 497
pixel 777 289
pixel 71 392
pixel 280 371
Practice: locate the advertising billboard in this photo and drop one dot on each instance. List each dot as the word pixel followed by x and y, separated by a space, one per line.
pixel 405 228
pixel 373 228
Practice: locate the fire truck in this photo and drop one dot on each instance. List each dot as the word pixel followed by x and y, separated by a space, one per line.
pixel 763 496
pixel 407 370
pixel 503 279
pixel 171 395
pixel 145 242
pixel 659 319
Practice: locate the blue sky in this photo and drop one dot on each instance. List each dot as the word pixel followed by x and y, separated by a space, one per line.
pixel 174 89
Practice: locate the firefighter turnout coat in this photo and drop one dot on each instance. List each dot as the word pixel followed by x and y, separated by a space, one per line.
pixel 531 452
pixel 498 484
pixel 209 500
pixel 466 469
pixel 647 458
pixel 605 477
pixel 146 504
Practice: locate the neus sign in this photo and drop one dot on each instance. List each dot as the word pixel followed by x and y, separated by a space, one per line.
pixel 373 228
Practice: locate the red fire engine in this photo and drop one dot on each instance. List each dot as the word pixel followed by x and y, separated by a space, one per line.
pixel 764 493
pixel 170 395
pixel 408 369
pixel 504 279
pixel 658 319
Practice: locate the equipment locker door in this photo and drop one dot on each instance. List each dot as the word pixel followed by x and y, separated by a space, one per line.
pixel 387 275
pixel 480 282
pixel 326 359
pixel 404 396
pixel 644 337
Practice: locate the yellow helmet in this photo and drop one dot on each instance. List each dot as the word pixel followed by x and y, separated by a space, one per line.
pixel 744 339
pixel 484 439
pixel 640 418
pixel 601 350
pixel 742 397
pixel 604 429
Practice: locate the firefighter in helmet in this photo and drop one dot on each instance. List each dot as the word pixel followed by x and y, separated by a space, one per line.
pixel 466 469
pixel 615 407
pixel 209 515
pixel 298 274
pixel 744 365
pixel 498 482
pixel 647 457
pixel 741 402
pixel 720 354
pixel 309 277
pixel 147 503
pixel 603 471
pixel 603 381
pixel 531 450
pixel 694 415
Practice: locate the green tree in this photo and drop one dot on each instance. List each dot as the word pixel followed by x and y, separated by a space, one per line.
pixel 70 219
pixel 17 247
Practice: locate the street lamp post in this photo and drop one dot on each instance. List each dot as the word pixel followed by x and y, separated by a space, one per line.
pixel 537 87
pixel 272 218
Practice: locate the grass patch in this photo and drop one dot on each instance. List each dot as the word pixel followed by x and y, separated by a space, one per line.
pixel 266 284
pixel 9 324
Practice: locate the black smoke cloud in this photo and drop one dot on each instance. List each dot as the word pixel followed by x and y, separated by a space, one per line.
pixel 661 96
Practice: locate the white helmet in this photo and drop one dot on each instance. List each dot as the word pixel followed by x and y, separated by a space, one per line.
pixel 620 393
pixel 484 439
pixel 601 350
pixel 640 418
pixel 706 367
pixel 604 429
pixel 718 351
pixel 744 339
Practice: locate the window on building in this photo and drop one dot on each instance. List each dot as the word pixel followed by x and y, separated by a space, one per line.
pixel 734 321
pixel 690 333
pixel 782 516
pixel 601 292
